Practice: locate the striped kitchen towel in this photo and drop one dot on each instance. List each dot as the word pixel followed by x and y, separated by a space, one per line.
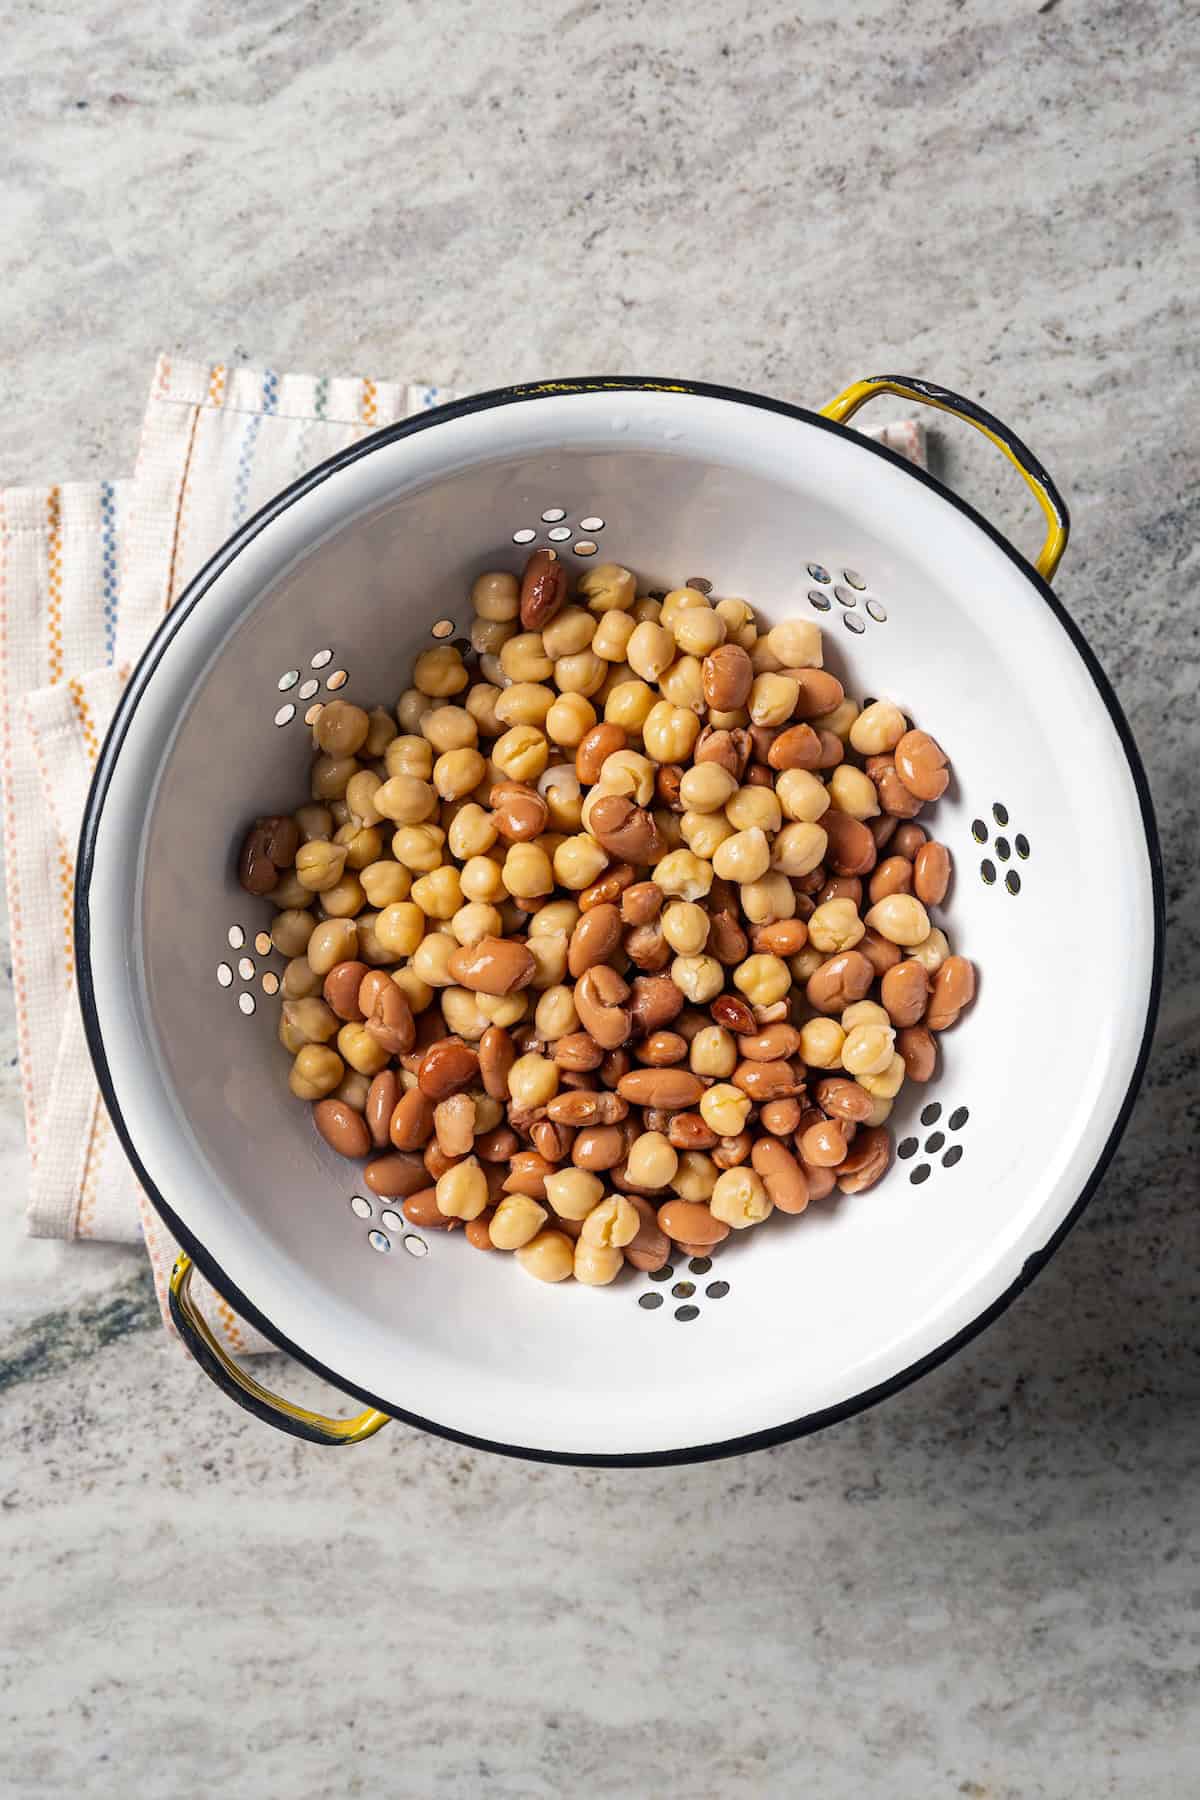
pixel 87 571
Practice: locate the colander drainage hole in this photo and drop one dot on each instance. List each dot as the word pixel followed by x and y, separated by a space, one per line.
pixel 306 690
pixel 285 715
pixel 558 534
pixel 235 937
pixel 321 659
pixel 553 514
pixel 592 524
pixel 270 982
pixel 391 1221
pixel 360 1206
pixel 288 680
pixel 853 623
pixel 649 1302
pixel 958 1118
pixel 663 1274
pixel 416 1246
pixel 952 1156
pixel 700 1265
pixel 717 1290
pixel 854 578
pixel 700 583
pixel 818 600
pixel 224 975
pixel 934 1142
pixel 246 1003
pixel 907 1148
pixel 931 1114
pixel 921 1173
pixel 524 537
pixel 379 1240
pixel 444 628
pixel 683 1290
pixel 685 1314
pixel 818 573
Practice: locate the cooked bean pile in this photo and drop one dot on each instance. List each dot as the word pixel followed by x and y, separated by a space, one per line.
pixel 617 933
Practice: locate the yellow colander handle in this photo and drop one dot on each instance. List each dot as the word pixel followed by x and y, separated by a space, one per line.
pixel 910 387
pixel 197 1335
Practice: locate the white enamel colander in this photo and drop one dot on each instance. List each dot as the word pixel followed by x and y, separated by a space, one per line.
pixel 338 583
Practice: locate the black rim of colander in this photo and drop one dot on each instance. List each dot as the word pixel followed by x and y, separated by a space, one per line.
pixel 192 597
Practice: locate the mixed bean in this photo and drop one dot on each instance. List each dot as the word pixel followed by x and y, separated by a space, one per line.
pixel 617 933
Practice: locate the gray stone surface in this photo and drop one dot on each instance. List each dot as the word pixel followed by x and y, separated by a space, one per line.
pixel 988 1586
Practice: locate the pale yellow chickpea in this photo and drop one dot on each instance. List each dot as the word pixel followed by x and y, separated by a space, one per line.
pixel 835 925
pixel 331 941
pixel 306 1022
pixel 702 832
pixel 431 959
pixel 314 821
pixel 698 978
pixel 450 728
pixel 887 1084
pixel 595 1265
pixel 549 955
pixel 839 720
pixel 650 650
pixel 492 671
pixel 439 672
pixel 409 755
pixel 725 1109
pixel 574 1192
pixel 319 865
pixel 901 919
pixel 564 804
pixel 527 872
pixel 571 718
pixel 773 699
pixel 805 963
pixel 457 772
pixel 363 845
pixel 697 632
pixel 524 658
pixel 550 1256
pixel 558 918
pixel 489 636
pixel 706 787
pixel 797 644
pixel 618 673
pixel 300 980
pixel 769 898
pixel 418 993
pixel 854 792
pixel 522 753
pixel 763 658
pixel 571 631
pixel 607 587
pixel 525 703
pixel 684 875
pixel 481 704
pixel 370 950
pixel 652 1160
pixel 331 776
pixel 471 832
pixel 502 1009
pixel 405 800
pixel 613 633
pixel 868 1049
pixel 798 849
pixel 648 609
pixel 629 704
pixel 878 728
pixel 932 951
pixel 685 927
pixel 681 600
pixel 438 894
pixel 555 1014
pixel 802 795
pixel 462 1013
pixel 496 595
pixel 864 1012
pixel 669 732
pixel 361 790
pixel 740 1199
pixel 612 1224
pixel 418 847
pixel 763 979
pixel 532 1080
pixel 381 729
pixel 516 1221
pixel 462 1192
pixel 579 861
pixel 359 1049
pixel 583 674
pixel 748 807
pixel 482 879
pixel 345 898
pixel 821 1043
pixel 628 772
pixel 743 857
pixel 696 1176
pixel 411 708
pixel 291 930
pixel 316 1071
pixel 683 685
pixel 881 1109
pixel 739 621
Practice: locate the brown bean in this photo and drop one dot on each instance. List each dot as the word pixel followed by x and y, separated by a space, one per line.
pixel 551 1140
pixel 600 996
pixel 908 840
pixel 812 883
pixel 726 939
pixel 625 830
pixel 270 845
pixel 654 1002
pixel 609 888
pixel 421 1209
pixel 341 989
pixel 730 749
pixel 726 676
pixel 673 1089
pixel 866 1161
pixel 586 1107
pixel 343 1127
pixel 729 1152
pixel 780 1117
pixel 931 874
pixel 593 940
pixel 782 1175
pixel 851 848
pixel 841 887
pixel 842 1099
pixel 761 739
pixel 767 1080
pixel 771 1045
pixel 543 590
pixel 820 692
pixel 783 937
pixel 894 797
pixel 496 1057
pixel 833 751
pixel 497 1146
pixel 641 903
pixel 758 775
pixel 734 1014
pixel 821 1182
pixel 688 1131
pixel 382 1096
pixel 919 1051
pixel 595 747
pixel 577 1051
pixel 477 1233
pixel 411 1124
pixel 390 1021
pixel 446 1068
pixel 647 947
pixel 395 1177
pixel 661 1049
pixel 953 988
pixel 616 1063
pixel 883 828
pixel 893 876
pixel 690 1222
pixel 493 965
pixel 879 951
pixel 921 765
pixel 798 747
pixel 839 982
pixel 667 778
pixel 904 992
pixel 598 1147
pixel 824 1145
pixel 436 1160
pixel 527 1174
pixel 651 1247
pixel 519 812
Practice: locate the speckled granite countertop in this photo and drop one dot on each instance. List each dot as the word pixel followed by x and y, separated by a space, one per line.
pixel 988 1586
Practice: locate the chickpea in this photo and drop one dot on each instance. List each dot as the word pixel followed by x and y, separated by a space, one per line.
pixel 743 857
pixel 418 993
pixel 725 1109
pixel 345 898
pixel 522 753
pixel 821 1043
pixel 769 898
pixel 668 828
pixel 839 720
pixel 532 1080
pixel 358 1048
pixel 316 1071
pixel 405 800
pixel 569 632
pixel 527 872
pixel 878 728
pixel 932 951
pixel 713 1052
pixel 450 728
pixel 411 708
pixel 457 772
pixel 868 1049
pixel 611 640
pixel 681 600
pixel 556 1016
pixel 300 980
pixel 331 776
pixel 887 1085
pixel 360 797
pixel 524 658
pixel 652 1161
pixel 482 879
pixel 409 755
pixel 306 1022
pixel 502 1009
pixel 802 795
pixel 763 979
pixel 749 807
pixel 700 978
pixel 669 732
pixel 363 845
pixel 481 704
pixel 702 832
pixel 314 821
pixel 578 861
pixel 462 1013
pixel 835 925
pixel 516 1221
pixel 901 919
pixel 854 792
pixel 799 849
pixel 492 670
pixel 797 644
pixel 439 672
pixel 319 865
pixel 291 931
pixel 763 657
pixel 471 832
pixel 696 1176
pixel 773 699
pixel 381 729
pixel 556 919
pixel 616 1220
pixel 496 595
pixel 740 1198
pixel 627 772
pixel 685 927
pixel 431 959
pixel 683 684
pixel 683 874
pixel 583 674
pixel 629 704
pixel 865 1012
pixel 489 636
pixel 419 847
pixel 564 804
pixel 574 1192
pixel 608 588
pixel 698 630
pixel 462 1192
pixel 370 950
pixel 570 719
pixel 438 894
pixel 595 1265
pixel 706 787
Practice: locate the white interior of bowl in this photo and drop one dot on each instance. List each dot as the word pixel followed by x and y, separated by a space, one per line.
pixel 820 1308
